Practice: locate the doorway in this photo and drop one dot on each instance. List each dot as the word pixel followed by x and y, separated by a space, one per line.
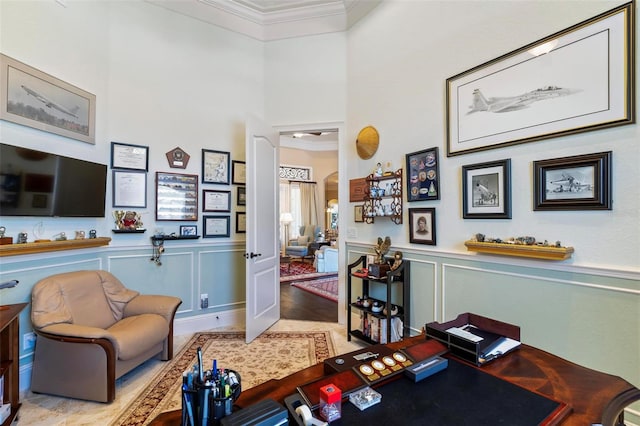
pixel 316 148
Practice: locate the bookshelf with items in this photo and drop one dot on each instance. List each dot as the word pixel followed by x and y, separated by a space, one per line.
pixel 380 320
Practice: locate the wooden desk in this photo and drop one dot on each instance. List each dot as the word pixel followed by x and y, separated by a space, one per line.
pixel 9 355
pixel 594 397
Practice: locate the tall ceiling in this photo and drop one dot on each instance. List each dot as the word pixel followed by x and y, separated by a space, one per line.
pixel 268 20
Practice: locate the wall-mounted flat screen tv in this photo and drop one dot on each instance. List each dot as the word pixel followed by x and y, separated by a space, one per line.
pixel 37 183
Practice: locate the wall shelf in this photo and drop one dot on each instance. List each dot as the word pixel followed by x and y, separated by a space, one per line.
pixel 175 237
pixel 46 246
pixel 521 250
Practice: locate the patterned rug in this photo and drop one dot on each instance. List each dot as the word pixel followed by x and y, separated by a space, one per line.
pixel 324 287
pixel 281 353
pixel 300 271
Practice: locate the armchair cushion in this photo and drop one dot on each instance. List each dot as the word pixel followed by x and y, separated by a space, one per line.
pixel 129 343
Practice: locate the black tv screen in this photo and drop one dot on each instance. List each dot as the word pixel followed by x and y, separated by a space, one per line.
pixel 37 183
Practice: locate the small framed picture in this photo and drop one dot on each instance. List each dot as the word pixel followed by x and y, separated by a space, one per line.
pixel 241 222
pixel 241 196
pixel 216 226
pixel 486 190
pixel 423 179
pixel 130 157
pixel 358 213
pixel 238 172
pixel 215 166
pixel 188 230
pixel 581 182
pixel 216 201
pixel 422 226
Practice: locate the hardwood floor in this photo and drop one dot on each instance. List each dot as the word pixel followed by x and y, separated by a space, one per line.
pixel 297 304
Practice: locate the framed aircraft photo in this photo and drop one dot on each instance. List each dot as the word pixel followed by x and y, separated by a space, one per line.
pixel 576 80
pixel 36 99
pixel 486 190
pixel 581 182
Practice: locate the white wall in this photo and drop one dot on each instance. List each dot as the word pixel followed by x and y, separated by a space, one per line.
pixel 399 58
pixel 161 80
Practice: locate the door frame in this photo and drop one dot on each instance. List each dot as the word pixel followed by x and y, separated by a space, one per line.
pixel 343 191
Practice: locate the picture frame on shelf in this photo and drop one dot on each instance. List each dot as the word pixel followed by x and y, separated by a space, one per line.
pixel 241 196
pixel 176 196
pixel 576 80
pixel 125 156
pixel 33 98
pixel 216 226
pixel 215 166
pixel 358 213
pixel 486 190
pixel 188 230
pixel 423 179
pixel 422 226
pixel 238 172
pixel 241 222
pixel 214 200
pixel 579 182
pixel 129 188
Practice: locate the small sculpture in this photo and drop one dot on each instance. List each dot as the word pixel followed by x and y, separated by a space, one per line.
pixel 382 248
pixel 2 231
pixel 397 260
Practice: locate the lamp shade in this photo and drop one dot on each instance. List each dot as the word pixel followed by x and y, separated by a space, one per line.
pixel 286 218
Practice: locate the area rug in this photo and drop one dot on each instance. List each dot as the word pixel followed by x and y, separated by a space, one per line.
pixel 324 287
pixel 300 271
pixel 272 355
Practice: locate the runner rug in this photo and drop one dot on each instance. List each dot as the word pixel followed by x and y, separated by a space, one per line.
pixel 324 287
pixel 272 355
pixel 300 271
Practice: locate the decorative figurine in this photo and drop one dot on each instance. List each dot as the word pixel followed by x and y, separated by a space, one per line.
pixel 79 235
pixel 397 260
pixel 22 238
pixel 378 171
pixel 93 234
pixel 382 248
pixel 2 231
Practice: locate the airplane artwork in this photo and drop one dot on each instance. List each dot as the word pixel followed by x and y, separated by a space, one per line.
pixel 570 184
pixel 51 104
pixel 485 196
pixel 514 103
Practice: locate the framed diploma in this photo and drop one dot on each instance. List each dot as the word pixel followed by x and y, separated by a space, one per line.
pixel 241 223
pixel 239 171
pixel 216 226
pixel 129 189
pixel 130 157
pixel 216 201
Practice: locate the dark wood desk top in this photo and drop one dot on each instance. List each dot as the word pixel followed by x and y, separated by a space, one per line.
pixel 593 397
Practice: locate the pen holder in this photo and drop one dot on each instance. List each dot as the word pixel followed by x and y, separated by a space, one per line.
pixel 206 404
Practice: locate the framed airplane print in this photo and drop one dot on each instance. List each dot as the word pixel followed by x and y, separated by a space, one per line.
pixel 486 190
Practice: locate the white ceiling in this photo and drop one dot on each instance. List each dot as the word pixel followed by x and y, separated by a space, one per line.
pixel 268 20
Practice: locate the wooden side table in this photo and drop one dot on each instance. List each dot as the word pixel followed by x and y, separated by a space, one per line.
pixel 10 356
pixel 286 260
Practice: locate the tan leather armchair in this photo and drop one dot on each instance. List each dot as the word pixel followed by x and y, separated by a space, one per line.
pixel 92 330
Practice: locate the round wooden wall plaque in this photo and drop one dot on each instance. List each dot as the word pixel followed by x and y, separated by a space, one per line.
pixel 367 142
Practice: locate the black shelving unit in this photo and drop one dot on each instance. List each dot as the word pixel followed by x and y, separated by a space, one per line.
pixel 398 277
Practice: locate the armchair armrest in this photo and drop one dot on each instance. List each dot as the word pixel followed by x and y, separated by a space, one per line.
pixel 164 306
pixel 59 331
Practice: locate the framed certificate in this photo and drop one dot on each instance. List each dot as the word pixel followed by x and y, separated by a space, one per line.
pixel 216 226
pixel 216 201
pixel 129 189
pixel 130 157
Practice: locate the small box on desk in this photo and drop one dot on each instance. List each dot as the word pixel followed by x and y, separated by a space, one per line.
pixel 475 338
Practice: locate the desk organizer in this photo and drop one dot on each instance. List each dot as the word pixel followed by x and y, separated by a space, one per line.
pixel 490 329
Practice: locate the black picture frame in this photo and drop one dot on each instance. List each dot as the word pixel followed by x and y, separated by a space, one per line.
pixel 129 188
pixel 216 226
pixel 579 182
pixel 486 190
pixel 238 172
pixel 591 74
pixel 422 226
pixel 423 178
pixel 126 156
pixel 358 213
pixel 241 196
pixel 188 230
pixel 215 166
pixel 214 200
pixel 241 223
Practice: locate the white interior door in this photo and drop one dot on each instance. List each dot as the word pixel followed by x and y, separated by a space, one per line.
pixel 262 248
